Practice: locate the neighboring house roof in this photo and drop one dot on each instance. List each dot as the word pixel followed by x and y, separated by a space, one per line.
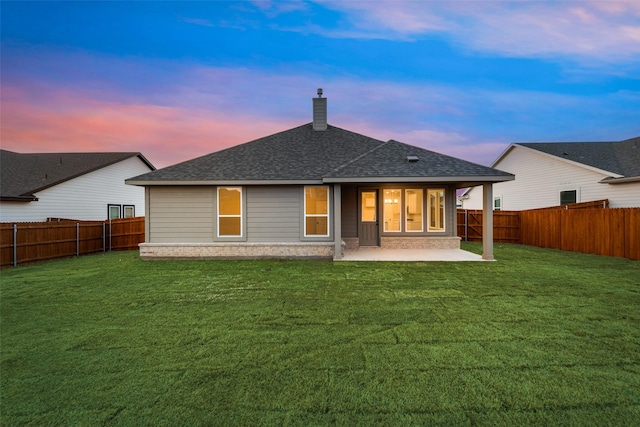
pixel 304 155
pixel 619 159
pixel 23 174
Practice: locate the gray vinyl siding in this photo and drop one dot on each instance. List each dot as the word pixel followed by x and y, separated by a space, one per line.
pixel 349 211
pixel 181 214
pixel 274 213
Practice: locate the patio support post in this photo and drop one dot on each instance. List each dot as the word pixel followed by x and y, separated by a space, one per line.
pixel 147 214
pixel 487 221
pixel 337 220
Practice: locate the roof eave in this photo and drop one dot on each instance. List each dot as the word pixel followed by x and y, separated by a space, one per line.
pixel 24 199
pixel 145 183
pixel 444 179
pixel 503 155
pixel 146 161
pixel 328 180
pixel 615 181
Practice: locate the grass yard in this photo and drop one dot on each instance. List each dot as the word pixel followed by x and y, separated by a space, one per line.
pixel 541 337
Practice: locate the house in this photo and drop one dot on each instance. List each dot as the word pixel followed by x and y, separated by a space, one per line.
pixel 310 191
pixel 80 186
pixel 559 173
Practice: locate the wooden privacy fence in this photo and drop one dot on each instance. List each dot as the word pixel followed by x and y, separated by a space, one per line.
pixel 24 242
pixel 506 226
pixel 587 229
pixel 611 232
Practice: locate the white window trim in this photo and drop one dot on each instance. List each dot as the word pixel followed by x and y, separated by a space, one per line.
pixel 113 205
pixel 494 203
pixel 384 218
pixel 406 228
pixel 562 190
pixel 305 215
pixel 218 216
pixel 444 210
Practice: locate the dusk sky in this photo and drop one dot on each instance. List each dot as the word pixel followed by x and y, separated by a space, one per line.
pixel 176 81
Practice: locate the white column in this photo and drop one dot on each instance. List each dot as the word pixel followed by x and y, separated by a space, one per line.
pixel 147 214
pixel 487 221
pixel 337 220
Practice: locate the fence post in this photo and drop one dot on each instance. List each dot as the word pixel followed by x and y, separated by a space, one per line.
pixel 466 225
pixel 110 234
pixel 77 239
pixel 104 236
pixel 15 245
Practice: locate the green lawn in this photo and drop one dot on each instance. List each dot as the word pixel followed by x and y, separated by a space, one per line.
pixel 541 337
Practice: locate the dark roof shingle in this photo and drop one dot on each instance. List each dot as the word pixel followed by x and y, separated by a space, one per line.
pixel 621 157
pixel 390 160
pixel 23 174
pixel 302 154
pixel 296 154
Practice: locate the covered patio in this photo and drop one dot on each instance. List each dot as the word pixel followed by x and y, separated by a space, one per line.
pixel 380 254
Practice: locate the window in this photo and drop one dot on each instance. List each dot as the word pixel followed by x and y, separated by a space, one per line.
pixel 129 211
pixel 113 211
pixel 405 211
pixel 229 211
pixel 316 211
pixel 567 197
pixel 436 210
pixel 414 210
pixel 497 203
pixel 369 206
pixel 392 211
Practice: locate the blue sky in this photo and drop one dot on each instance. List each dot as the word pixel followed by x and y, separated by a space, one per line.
pixel 176 80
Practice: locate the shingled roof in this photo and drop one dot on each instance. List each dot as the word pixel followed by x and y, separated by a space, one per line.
pixel 621 158
pixel 304 156
pixel 23 174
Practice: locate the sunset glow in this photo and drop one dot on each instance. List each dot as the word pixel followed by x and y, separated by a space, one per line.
pixel 180 80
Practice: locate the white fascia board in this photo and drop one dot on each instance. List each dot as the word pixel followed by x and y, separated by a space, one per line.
pixel 502 155
pixel 210 183
pixel 571 162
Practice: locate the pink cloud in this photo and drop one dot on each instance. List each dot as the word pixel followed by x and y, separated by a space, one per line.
pixel 403 18
pixel 63 120
pixel 42 118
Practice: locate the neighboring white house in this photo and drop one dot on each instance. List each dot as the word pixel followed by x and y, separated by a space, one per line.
pixel 80 186
pixel 559 173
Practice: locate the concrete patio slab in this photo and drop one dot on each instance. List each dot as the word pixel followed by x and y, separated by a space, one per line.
pixel 378 254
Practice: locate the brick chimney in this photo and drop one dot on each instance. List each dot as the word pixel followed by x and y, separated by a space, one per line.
pixel 320 112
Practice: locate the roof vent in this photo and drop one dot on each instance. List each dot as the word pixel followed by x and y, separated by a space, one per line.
pixel 412 159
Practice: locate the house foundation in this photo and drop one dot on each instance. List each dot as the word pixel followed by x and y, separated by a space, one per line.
pixel 151 251
pixel 420 242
